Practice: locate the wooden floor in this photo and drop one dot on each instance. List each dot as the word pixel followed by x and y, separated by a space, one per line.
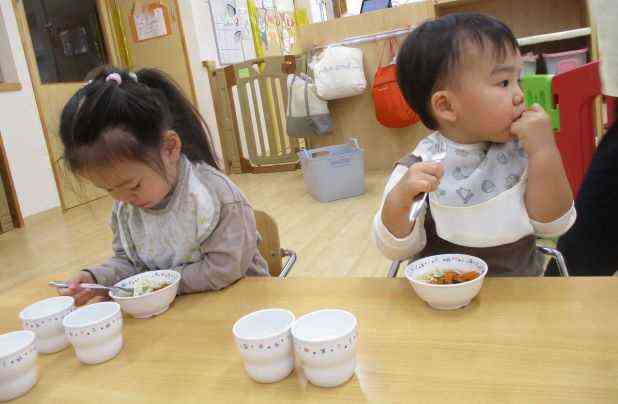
pixel 332 240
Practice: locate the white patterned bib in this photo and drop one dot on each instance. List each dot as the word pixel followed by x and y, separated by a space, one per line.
pixel 474 173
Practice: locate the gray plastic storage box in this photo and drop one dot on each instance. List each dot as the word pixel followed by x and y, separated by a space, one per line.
pixel 334 172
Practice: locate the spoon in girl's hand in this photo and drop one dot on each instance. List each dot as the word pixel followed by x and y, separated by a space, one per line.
pixel 123 291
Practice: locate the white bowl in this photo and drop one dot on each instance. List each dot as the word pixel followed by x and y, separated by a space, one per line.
pixel 18 367
pixel 325 342
pixel 44 318
pixel 150 304
pixel 447 297
pixel 264 341
pixel 95 332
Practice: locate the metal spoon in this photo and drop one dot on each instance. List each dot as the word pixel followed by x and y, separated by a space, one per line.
pixel 94 286
pixel 421 199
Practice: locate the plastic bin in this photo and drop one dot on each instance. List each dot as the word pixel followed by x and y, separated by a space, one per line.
pixel 334 172
pixel 557 63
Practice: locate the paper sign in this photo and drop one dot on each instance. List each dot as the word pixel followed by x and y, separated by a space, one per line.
pixel 150 22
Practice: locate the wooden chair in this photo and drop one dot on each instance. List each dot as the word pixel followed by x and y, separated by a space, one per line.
pixel 270 246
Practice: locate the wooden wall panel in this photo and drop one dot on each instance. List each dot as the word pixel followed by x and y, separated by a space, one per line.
pixel 527 17
pixel 355 116
pixel 75 191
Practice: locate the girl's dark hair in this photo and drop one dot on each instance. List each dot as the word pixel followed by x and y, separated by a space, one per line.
pixel 433 52
pixel 105 121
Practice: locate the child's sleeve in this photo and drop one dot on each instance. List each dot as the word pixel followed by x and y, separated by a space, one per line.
pixel 119 266
pixel 392 247
pixel 557 227
pixel 227 254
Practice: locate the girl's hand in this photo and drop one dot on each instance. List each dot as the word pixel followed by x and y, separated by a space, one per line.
pixel 420 177
pixel 83 296
pixel 534 131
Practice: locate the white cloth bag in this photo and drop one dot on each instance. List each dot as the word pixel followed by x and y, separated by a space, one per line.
pixel 307 114
pixel 338 72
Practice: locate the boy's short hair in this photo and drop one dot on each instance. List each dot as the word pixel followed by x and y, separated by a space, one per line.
pixel 434 50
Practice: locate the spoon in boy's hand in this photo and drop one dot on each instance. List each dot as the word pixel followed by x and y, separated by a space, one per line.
pixel 419 201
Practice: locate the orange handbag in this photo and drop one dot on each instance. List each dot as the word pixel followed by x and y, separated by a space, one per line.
pixel 392 110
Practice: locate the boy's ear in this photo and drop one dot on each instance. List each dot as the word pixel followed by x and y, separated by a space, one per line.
pixel 172 146
pixel 443 106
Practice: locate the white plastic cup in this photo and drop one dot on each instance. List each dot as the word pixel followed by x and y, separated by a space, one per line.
pixel 325 341
pixel 18 364
pixel 265 344
pixel 95 331
pixel 44 318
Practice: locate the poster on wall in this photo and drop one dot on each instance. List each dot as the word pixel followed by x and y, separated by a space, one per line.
pixel 232 31
pixel 274 26
pixel 149 20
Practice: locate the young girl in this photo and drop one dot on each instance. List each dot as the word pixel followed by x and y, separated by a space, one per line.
pixel 501 182
pixel 137 136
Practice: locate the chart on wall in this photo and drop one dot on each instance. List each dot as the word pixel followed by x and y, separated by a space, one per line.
pixel 232 31
pixel 274 26
pixel 149 20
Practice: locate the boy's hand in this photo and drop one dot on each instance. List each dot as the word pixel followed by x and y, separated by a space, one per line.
pixel 420 177
pixel 534 131
pixel 82 296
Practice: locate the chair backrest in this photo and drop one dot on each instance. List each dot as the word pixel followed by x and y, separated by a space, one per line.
pixel 575 92
pixel 270 245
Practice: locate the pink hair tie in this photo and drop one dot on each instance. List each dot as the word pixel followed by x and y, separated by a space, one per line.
pixel 115 77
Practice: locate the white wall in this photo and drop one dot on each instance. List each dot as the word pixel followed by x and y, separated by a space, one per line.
pixel 605 14
pixel 317 10
pixel 354 6
pixel 22 133
pixel 8 71
pixel 191 20
pixel 204 30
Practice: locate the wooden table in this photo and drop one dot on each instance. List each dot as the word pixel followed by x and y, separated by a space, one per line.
pixel 521 341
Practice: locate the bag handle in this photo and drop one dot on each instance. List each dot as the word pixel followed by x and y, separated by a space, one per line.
pixel 307 97
pixel 384 45
pixel 393 45
pixel 291 93
pixel 354 142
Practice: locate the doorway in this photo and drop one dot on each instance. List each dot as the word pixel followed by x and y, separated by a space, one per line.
pixel 65 39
